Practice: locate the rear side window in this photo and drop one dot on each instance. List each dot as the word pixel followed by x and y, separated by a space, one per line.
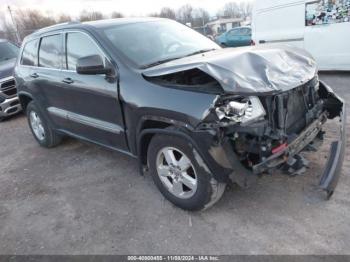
pixel 30 53
pixel 79 45
pixel 50 51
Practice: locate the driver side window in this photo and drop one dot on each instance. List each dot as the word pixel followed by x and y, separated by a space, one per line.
pixel 79 45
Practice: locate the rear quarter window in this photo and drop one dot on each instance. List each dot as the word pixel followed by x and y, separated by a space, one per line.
pixel 30 53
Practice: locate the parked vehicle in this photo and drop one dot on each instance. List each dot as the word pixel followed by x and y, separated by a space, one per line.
pixel 239 36
pixel 9 103
pixel 320 27
pixel 195 115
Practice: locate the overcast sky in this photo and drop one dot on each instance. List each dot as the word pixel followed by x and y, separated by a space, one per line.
pixel 127 7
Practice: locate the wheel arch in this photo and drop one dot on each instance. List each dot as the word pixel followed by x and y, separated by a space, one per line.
pixel 25 98
pixel 146 135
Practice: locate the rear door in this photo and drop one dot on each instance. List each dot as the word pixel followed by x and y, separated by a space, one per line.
pixel 93 105
pixel 47 76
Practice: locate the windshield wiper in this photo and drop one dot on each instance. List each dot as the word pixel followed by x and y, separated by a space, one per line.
pixel 175 58
pixel 159 62
pixel 200 52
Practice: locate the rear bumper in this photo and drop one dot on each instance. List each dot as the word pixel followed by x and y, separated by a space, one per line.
pixel 10 107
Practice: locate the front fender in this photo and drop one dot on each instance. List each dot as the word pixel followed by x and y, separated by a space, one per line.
pixel 202 143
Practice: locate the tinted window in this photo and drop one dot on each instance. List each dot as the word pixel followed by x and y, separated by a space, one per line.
pixel 30 51
pixel 79 45
pixel 50 51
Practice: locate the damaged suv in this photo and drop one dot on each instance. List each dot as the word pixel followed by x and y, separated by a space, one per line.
pixel 195 115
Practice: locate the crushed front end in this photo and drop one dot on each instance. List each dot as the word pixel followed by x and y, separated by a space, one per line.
pixel 258 134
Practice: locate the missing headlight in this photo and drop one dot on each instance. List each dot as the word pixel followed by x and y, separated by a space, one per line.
pixel 244 111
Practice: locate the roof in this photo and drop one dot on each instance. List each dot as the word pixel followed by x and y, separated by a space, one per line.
pixel 93 24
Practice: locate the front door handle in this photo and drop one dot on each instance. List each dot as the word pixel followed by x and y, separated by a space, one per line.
pixel 34 75
pixel 68 80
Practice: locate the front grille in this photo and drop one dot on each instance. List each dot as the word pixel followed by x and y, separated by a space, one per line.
pixel 288 111
pixel 12 110
pixel 14 103
pixel 8 88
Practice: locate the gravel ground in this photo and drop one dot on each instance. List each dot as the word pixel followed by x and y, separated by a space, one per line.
pixel 82 199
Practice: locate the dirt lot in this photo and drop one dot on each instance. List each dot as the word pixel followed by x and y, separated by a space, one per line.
pixel 82 199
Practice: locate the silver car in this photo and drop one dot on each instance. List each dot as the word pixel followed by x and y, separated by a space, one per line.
pixel 9 102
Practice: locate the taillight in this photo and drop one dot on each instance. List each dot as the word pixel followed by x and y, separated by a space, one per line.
pixel 252 42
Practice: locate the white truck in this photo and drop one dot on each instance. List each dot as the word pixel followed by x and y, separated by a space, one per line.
pixel 322 27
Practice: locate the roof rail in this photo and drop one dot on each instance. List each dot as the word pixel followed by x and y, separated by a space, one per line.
pixel 56 25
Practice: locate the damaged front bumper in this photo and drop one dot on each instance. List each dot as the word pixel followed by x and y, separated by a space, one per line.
pixel 334 164
pixel 334 107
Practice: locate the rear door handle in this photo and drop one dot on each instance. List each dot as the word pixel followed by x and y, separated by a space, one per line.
pixel 34 75
pixel 68 80
pixel 262 42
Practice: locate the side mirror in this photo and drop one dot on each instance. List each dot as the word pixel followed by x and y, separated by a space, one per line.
pixel 92 65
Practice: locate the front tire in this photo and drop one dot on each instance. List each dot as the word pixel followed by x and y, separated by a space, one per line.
pixel 178 175
pixel 41 130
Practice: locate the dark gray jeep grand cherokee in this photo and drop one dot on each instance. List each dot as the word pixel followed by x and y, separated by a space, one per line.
pixel 195 115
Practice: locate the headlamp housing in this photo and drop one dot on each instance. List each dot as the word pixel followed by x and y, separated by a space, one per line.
pixel 245 111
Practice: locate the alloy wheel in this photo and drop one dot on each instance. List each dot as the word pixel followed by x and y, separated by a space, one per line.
pixel 37 126
pixel 176 172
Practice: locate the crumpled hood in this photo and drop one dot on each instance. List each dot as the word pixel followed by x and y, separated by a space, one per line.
pixel 247 70
pixel 6 68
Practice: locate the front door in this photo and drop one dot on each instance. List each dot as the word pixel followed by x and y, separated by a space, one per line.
pixel 246 36
pixel 93 107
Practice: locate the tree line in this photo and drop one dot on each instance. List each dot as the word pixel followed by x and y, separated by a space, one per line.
pixel 28 21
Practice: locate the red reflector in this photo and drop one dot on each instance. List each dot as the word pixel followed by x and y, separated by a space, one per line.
pixel 279 148
pixel 252 42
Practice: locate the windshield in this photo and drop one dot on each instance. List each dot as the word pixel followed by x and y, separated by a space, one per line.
pixel 150 43
pixel 8 51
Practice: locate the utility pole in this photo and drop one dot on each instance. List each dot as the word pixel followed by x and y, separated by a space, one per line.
pixel 14 25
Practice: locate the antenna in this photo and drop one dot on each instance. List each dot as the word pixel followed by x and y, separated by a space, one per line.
pixel 14 25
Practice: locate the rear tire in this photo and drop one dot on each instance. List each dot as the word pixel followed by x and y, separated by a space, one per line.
pixel 193 189
pixel 40 127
